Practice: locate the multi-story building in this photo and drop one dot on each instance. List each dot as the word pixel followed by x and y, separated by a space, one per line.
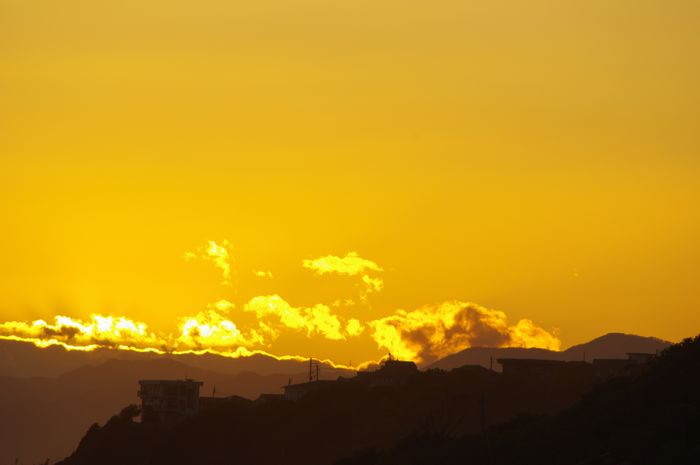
pixel 168 401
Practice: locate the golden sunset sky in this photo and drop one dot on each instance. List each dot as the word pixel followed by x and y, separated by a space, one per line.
pixel 539 158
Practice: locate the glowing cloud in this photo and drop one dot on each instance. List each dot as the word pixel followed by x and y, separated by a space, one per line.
pixel 217 254
pixel 208 332
pixel 354 327
pixel 97 331
pixel 223 305
pixel 263 274
pixel 432 332
pixel 350 265
pixel 373 284
pixel 527 334
pixel 211 329
pixel 315 320
pixel 422 335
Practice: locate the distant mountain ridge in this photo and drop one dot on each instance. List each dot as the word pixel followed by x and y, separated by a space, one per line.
pixel 611 345
pixel 20 359
pixel 616 345
pixel 59 409
pixel 23 359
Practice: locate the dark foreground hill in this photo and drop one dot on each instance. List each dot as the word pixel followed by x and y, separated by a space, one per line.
pixel 44 417
pixel 329 424
pixel 651 416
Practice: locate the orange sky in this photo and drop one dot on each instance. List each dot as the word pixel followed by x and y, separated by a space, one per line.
pixel 538 158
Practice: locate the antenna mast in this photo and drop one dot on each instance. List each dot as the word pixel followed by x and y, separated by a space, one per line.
pixel 313 367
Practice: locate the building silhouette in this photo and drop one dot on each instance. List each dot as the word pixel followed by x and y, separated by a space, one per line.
pixel 297 391
pixel 599 368
pixel 537 368
pixel 391 372
pixel 610 367
pixel 166 402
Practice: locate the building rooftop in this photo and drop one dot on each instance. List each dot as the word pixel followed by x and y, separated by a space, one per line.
pixel 531 361
pixel 316 382
pixel 170 381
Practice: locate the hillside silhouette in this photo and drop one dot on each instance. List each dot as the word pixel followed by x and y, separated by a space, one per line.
pixel 333 422
pixel 46 417
pixel 649 416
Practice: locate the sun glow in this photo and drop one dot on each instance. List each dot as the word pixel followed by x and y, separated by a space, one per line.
pixel 536 157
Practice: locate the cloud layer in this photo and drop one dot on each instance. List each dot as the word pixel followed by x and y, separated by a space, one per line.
pixel 314 320
pixel 422 335
pixel 349 265
pixel 216 253
pixel 96 331
pixel 432 332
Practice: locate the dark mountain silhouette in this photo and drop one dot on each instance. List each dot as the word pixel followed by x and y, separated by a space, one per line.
pixel 341 418
pixel 48 397
pixel 20 359
pixel 23 359
pixel 326 424
pixel 651 415
pixel 615 345
pixel 260 364
pixel 483 356
pixel 45 417
pixel 612 345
